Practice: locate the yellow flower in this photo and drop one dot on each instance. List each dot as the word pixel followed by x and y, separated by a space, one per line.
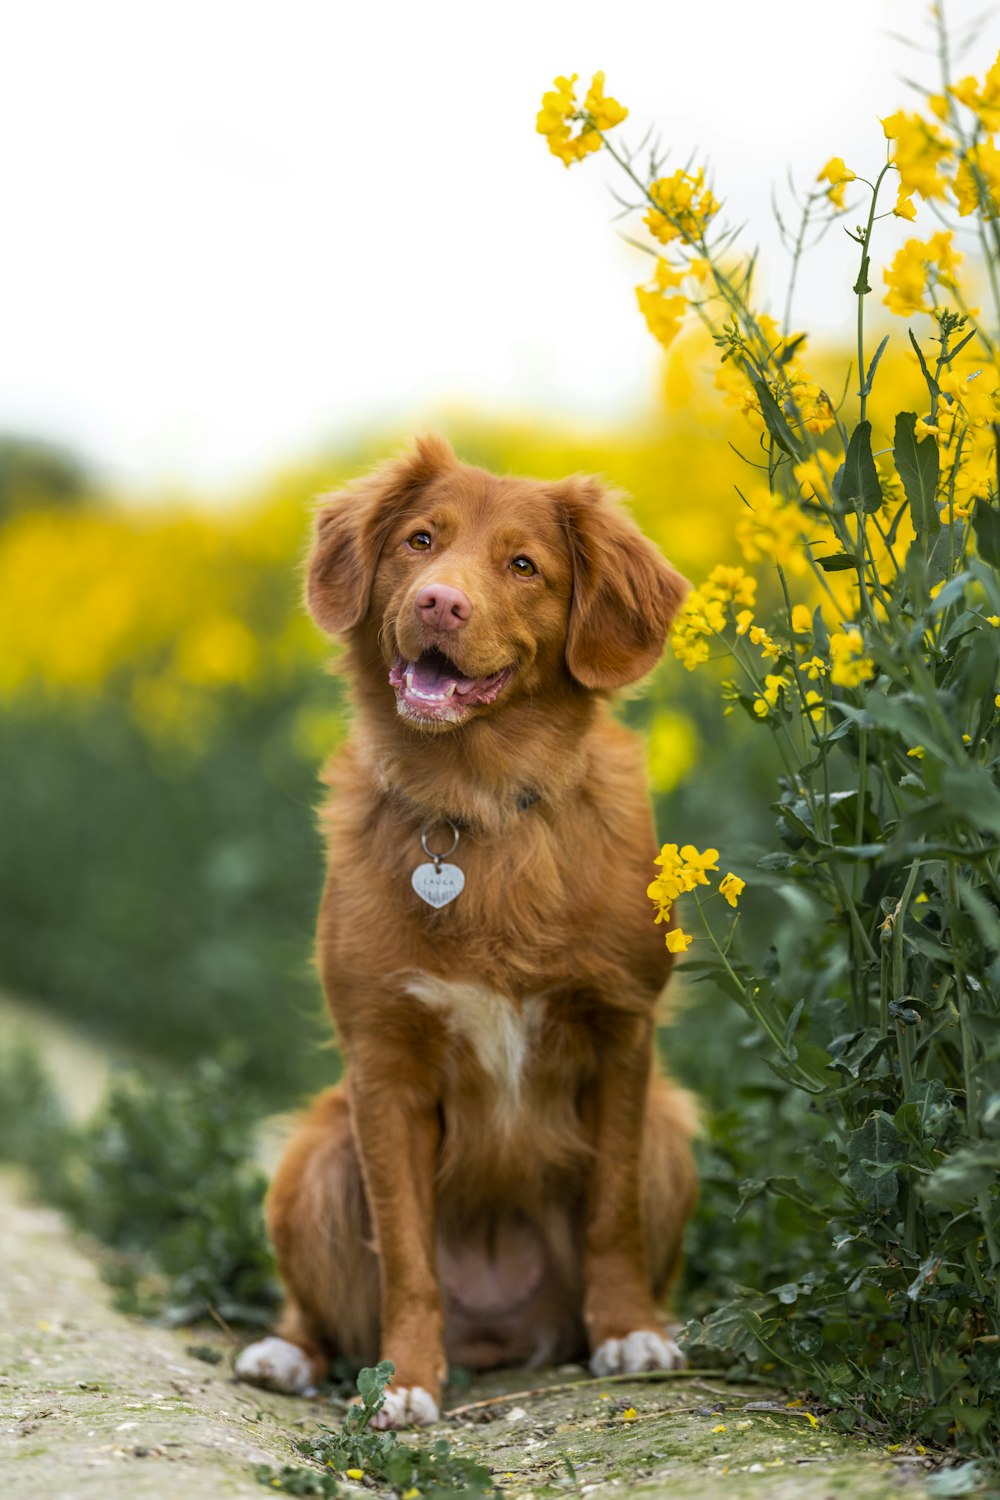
pixel 630 1413
pixel 772 530
pixel 681 870
pixel 920 265
pixel 731 584
pixel 664 890
pixel 672 748
pixel 759 637
pixel 814 406
pixel 814 705
pixel 905 207
pixel 663 313
pixel 983 98
pixel 917 753
pixel 683 206
pixel 560 111
pixel 919 148
pixel 731 887
pixel 838 176
pixel 355 1473
pixel 977 181
pixel 802 620
pixel 849 665
pixel 705 614
pixel 696 864
pixel 719 1427
pixel 978 394
pixel 774 685
pixel 814 475
pixel 605 113
pixel 993 620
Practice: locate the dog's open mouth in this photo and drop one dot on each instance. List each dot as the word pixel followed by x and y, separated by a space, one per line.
pixel 432 687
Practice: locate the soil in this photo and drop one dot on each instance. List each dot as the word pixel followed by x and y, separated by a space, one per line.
pixel 95 1404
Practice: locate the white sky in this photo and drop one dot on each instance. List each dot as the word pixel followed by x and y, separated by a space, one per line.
pixel 235 229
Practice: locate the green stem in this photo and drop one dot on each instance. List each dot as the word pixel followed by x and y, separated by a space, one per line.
pixel 964 1020
pixel 862 289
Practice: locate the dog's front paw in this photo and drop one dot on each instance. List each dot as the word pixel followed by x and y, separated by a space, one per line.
pixel 407 1406
pixel 279 1365
pixel 646 1349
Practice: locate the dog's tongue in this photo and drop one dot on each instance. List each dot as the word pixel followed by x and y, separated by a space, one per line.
pixel 433 686
pixel 433 673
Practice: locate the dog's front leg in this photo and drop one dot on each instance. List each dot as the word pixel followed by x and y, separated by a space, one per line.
pixel 398 1134
pixel 624 1331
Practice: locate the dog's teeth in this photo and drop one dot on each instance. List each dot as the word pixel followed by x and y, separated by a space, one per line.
pixel 450 689
pixel 409 681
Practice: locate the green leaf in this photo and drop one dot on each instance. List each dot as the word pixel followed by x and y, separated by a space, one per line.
pixel 904 718
pixel 986 525
pixel 971 792
pixel 733 1327
pixel 982 911
pixel 837 562
pixel 968 1172
pixel 917 466
pixel 774 420
pixel 932 384
pixel 859 480
pixel 872 1153
pixel 869 378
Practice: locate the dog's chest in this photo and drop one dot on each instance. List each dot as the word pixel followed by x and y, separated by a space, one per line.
pixel 505 1039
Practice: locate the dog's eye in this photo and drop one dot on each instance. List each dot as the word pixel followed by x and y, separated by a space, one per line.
pixel 523 567
pixel 419 541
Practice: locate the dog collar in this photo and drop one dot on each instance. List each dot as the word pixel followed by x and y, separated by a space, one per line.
pixel 439 882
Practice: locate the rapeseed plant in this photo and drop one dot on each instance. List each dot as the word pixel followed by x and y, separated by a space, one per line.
pixel 864 645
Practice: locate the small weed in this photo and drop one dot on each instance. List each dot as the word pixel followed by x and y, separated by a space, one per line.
pixel 205 1352
pixel 296 1479
pixel 435 1472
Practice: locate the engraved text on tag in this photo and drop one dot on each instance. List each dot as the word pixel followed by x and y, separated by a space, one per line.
pixel 438 884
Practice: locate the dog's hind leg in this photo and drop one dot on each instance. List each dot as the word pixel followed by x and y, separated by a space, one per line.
pixel 670 1181
pixel 320 1227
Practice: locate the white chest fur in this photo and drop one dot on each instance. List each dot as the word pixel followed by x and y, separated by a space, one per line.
pixel 498 1031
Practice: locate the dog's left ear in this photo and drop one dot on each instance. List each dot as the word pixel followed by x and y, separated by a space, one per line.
pixel 351 529
pixel 625 593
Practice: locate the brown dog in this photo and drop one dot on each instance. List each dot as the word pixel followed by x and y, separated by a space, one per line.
pixel 504 1175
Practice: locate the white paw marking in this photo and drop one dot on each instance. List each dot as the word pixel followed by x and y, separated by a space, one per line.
pixel 278 1364
pixel 407 1406
pixel 643 1350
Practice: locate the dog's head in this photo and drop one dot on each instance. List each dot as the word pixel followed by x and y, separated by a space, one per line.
pixel 477 589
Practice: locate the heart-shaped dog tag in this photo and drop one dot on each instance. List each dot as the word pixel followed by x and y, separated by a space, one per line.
pixel 438 884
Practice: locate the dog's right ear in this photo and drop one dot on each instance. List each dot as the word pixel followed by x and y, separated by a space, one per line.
pixel 351 528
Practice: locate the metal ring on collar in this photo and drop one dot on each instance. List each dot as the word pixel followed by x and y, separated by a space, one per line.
pixel 439 823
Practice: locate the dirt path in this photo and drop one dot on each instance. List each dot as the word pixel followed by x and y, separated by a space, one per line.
pixel 94 1404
